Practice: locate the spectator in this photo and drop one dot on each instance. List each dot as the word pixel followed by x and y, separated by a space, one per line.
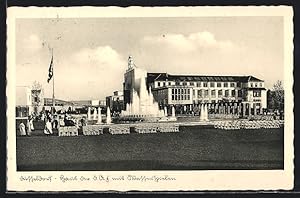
pixel 22 129
pixel 48 127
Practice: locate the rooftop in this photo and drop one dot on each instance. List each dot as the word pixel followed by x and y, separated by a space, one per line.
pixel 151 77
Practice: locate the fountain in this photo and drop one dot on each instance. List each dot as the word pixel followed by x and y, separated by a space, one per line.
pixel 99 116
pixel 173 117
pixel 142 104
pixel 166 111
pixel 203 112
pixel 89 113
pixel 108 116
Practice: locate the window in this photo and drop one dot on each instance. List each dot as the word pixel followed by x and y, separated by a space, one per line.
pixel 226 93
pixel 213 93
pixel 158 84
pixel 198 84
pixel 233 93
pixel 193 92
pixel 232 84
pixel 192 83
pixel 220 93
pixel 212 84
pixel 206 93
pixel 200 94
pixel 169 83
pixel 219 84
pixel 175 97
pixel 184 83
pixel 256 93
pixel 225 84
pixel 251 84
pixel 188 91
pixel 164 84
pixel 260 84
pixel 177 83
pixel 175 91
pixel 172 91
pixel 239 93
pixel 205 84
pixel 239 84
pixel 255 84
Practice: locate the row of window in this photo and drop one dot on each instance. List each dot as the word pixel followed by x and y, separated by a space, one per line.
pixel 255 84
pixel 181 94
pixel 181 97
pixel 206 84
pixel 200 84
pixel 227 93
pixel 256 93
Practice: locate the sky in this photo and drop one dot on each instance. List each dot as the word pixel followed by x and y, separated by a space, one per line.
pixel 90 54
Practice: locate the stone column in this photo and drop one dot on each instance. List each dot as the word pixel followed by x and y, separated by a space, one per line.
pixel 235 110
pixel 249 109
pixel 244 109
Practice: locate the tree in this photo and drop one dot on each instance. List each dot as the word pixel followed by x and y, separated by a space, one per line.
pixel 277 96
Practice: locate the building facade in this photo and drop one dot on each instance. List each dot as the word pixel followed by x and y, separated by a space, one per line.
pixel 116 101
pixel 246 94
pixel 132 80
pixel 23 101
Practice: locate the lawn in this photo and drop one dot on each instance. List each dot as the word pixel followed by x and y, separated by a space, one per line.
pixel 193 148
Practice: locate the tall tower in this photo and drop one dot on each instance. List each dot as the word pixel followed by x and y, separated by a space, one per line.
pixel 132 79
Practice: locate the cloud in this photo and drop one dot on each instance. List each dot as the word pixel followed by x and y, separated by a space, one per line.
pixel 99 57
pixel 192 42
pixel 32 43
pixel 178 53
pixel 91 73
pixel 88 73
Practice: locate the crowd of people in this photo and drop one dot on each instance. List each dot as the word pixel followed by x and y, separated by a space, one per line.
pixel 49 121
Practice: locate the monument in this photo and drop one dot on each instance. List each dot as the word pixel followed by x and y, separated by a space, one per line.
pixel 142 103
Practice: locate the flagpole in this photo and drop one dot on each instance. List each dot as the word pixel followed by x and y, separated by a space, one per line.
pixel 53 96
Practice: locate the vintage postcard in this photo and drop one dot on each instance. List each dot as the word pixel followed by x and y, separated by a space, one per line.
pixel 150 98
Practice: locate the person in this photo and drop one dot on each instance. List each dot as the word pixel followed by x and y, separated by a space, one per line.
pixel 31 124
pixel 28 127
pixel 48 127
pixel 55 122
pixel 22 129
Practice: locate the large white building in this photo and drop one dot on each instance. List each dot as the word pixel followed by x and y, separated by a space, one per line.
pixel 187 91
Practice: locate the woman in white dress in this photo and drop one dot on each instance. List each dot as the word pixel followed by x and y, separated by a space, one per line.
pixel 22 129
pixel 31 124
pixel 48 127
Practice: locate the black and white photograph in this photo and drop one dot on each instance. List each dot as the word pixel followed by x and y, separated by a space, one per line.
pixel 148 91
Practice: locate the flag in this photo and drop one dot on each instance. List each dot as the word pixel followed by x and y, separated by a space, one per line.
pixel 50 74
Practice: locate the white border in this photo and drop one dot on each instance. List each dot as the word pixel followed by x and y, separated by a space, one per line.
pixel 185 180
